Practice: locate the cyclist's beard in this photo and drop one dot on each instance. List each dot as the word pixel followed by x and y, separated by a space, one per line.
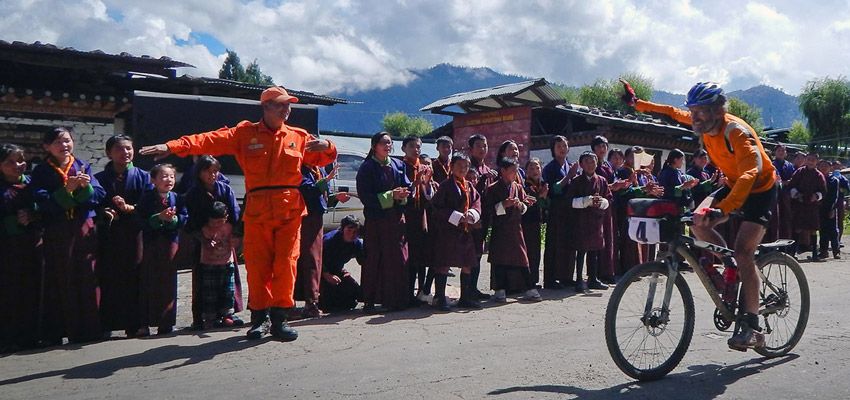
pixel 705 126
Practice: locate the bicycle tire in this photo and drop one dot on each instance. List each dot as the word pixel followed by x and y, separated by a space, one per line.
pixel 779 258
pixel 613 308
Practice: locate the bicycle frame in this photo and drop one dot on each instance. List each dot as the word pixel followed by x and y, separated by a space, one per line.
pixel 681 246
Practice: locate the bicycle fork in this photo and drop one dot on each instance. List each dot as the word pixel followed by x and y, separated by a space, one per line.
pixel 649 317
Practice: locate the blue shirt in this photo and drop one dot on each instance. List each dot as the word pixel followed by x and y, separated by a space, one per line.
pixel 336 252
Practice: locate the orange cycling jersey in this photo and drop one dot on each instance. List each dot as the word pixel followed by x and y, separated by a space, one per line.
pixel 735 150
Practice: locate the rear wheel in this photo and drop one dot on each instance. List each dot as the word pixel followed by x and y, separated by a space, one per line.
pixel 646 340
pixel 784 303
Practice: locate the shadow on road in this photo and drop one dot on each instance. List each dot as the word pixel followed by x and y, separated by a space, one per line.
pixel 698 383
pixel 425 311
pixel 159 355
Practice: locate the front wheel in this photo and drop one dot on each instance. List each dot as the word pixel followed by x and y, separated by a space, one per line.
pixel 784 307
pixel 646 339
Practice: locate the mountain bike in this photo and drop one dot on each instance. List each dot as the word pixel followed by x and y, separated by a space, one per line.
pixel 649 321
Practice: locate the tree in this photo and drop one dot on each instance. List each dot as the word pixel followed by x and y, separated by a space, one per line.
pixel 401 124
pixel 799 134
pixel 569 93
pixel 255 76
pixel 748 113
pixel 606 93
pixel 231 68
pixel 826 104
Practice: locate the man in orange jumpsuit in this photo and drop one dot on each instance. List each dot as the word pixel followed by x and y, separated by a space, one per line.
pixel 733 146
pixel 270 154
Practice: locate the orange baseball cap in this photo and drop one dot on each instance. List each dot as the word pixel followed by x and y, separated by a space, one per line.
pixel 277 93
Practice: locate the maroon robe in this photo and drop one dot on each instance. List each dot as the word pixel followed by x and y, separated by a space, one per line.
pixel 806 213
pixel 784 214
pixel 158 270
pixel 420 246
pixel 588 226
pixel 607 261
pixel 531 223
pixel 441 171
pixel 385 273
pixel 454 246
pixel 118 255
pixel 507 245
pixel 559 253
pixel 21 265
pixel 309 271
pixel 485 179
pixel 71 295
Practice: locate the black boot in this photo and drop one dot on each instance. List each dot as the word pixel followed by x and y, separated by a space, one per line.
pixel 813 239
pixel 440 302
pixel 468 299
pixel 473 282
pixel 279 328
pixel 259 324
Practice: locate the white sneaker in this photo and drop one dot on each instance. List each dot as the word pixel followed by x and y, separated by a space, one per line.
pixel 500 297
pixel 425 298
pixel 532 295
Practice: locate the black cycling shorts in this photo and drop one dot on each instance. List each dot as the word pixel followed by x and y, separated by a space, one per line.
pixel 757 208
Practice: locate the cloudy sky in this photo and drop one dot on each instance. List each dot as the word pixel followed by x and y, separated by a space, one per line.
pixel 346 45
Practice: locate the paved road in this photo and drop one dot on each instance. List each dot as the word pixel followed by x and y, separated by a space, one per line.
pixel 553 349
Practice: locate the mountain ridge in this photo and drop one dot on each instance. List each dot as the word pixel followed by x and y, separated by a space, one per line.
pixel 779 109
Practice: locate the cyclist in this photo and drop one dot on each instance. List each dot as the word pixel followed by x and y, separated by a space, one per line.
pixel 735 149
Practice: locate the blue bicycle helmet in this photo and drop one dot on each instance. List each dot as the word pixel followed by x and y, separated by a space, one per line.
pixel 704 93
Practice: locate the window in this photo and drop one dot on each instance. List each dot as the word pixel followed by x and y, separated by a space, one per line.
pixel 348 166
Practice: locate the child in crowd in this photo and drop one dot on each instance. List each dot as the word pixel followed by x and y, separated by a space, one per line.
pixel 419 240
pixel 118 233
pixel 559 253
pixel 440 165
pixel 457 213
pixel 315 189
pixel 505 201
pixel 207 188
pixel 67 194
pixel 589 195
pixel 20 253
pixel 536 187
pixel 162 217
pixel 217 268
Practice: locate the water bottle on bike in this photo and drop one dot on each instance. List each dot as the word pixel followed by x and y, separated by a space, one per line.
pixel 719 281
pixel 730 279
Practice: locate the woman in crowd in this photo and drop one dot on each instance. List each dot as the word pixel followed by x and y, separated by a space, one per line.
pixel 67 194
pixel 383 187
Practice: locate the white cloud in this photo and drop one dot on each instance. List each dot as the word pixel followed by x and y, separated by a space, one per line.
pixel 346 46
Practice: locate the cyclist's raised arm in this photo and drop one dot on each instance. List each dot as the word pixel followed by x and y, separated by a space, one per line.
pixel 679 115
pixel 629 97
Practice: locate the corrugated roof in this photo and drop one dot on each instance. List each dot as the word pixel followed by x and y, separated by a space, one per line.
pixel 50 49
pixel 536 92
pixel 621 118
pixel 188 84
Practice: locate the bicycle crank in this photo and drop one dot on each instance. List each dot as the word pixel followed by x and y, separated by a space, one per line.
pixel 720 322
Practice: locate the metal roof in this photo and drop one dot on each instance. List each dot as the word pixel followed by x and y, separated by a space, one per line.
pixel 624 120
pixel 535 93
pixel 21 50
pixel 187 84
